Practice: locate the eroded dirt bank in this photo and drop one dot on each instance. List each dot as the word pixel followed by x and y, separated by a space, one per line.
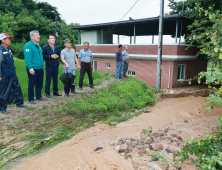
pixel 78 153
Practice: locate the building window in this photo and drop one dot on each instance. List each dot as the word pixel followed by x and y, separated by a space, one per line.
pixel 95 63
pixel 131 73
pixel 181 71
pixel 108 65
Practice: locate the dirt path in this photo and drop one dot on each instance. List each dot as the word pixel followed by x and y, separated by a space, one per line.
pixel 78 153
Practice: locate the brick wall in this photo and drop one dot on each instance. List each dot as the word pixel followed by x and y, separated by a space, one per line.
pixel 145 70
pixel 144 49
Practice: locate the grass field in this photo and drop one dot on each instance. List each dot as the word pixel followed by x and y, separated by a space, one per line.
pixel 23 78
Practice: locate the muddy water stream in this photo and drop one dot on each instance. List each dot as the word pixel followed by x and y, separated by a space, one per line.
pixel 78 152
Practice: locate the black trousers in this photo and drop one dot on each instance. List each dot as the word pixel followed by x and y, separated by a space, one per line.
pixel 10 85
pixel 85 67
pixel 36 81
pixel 51 72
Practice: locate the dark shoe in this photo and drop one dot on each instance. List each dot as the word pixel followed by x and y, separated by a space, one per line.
pixel 80 88
pixel 4 111
pixel 65 92
pixel 48 96
pixel 92 87
pixel 22 106
pixel 42 99
pixel 73 87
pixel 56 94
pixel 32 102
pixel 125 76
pixel 120 78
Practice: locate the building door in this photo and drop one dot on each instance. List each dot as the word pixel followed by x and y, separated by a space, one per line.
pixel 95 62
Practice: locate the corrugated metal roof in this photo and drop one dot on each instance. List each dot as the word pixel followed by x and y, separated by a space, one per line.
pixel 136 21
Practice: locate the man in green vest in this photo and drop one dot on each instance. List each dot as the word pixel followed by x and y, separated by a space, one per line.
pixel 34 66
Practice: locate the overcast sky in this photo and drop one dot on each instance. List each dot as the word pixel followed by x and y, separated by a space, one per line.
pixel 87 12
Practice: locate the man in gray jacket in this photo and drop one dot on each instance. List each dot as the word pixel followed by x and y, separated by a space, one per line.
pixel 125 55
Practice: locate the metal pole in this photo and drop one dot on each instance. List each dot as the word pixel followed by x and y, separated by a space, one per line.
pixel 180 31
pixel 176 32
pixel 56 28
pixel 134 33
pixel 79 37
pixel 160 44
pixel 101 35
pixel 118 39
pixel 130 39
pixel 169 75
pixel 152 39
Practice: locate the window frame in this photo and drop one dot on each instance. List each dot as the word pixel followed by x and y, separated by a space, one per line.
pixel 109 65
pixel 131 73
pixel 184 74
pixel 93 62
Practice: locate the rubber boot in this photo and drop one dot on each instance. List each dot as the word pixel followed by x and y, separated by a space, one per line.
pixel 73 87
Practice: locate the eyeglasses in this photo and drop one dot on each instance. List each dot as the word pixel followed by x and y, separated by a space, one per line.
pixel 52 38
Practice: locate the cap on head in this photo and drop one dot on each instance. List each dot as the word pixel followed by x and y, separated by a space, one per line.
pixel 4 35
pixel 67 40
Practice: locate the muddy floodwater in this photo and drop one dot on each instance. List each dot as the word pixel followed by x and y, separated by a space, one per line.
pixel 78 152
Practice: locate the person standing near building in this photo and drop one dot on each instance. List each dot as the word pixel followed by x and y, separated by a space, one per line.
pixel 51 54
pixel 9 83
pixel 125 55
pixel 119 62
pixel 34 66
pixel 68 57
pixel 85 59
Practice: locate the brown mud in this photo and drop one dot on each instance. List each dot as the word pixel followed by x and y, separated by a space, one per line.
pixel 78 152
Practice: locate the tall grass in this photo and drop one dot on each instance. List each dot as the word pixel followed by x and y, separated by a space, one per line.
pixel 23 78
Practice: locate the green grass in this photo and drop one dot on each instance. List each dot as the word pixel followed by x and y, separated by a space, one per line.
pixel 53 124
pixel 23 78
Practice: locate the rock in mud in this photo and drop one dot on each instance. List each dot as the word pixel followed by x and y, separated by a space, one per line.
pixel 123 146
pixel 157 147
pixel 171 149
pixel 141 152
pixel 5 160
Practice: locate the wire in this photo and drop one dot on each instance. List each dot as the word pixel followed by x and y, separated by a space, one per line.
pixel 116 23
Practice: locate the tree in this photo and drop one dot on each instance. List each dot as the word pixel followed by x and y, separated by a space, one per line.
pixel 189 7
pixel 48 11
pixel 190 12
pixel 210 42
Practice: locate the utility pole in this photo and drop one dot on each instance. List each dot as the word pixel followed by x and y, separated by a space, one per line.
pixel 160 44
pixel 56 34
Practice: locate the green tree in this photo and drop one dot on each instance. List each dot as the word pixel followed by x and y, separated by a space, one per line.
pixel 189 7
pixel 48 11
pixel 210 42
pixel 8 23
pixel 26 23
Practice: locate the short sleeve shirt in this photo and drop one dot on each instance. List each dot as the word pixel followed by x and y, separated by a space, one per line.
pixel 85 56
pixel 69 57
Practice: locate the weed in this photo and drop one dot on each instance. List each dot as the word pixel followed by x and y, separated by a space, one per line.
pixel 31 108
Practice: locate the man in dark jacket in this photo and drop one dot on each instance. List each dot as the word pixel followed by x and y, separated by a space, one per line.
pixel 9 83
pixel 51 54
pixel 119 60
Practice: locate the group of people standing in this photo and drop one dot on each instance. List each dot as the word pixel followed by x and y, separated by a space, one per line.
pixel 122 61
pixel 34 58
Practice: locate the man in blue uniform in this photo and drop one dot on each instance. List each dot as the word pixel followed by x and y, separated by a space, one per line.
pixel 51 54
pixel 8 80
pixel 85 65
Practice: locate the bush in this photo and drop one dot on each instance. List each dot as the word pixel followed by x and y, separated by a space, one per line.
pixel 120 96
pixel 17 49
